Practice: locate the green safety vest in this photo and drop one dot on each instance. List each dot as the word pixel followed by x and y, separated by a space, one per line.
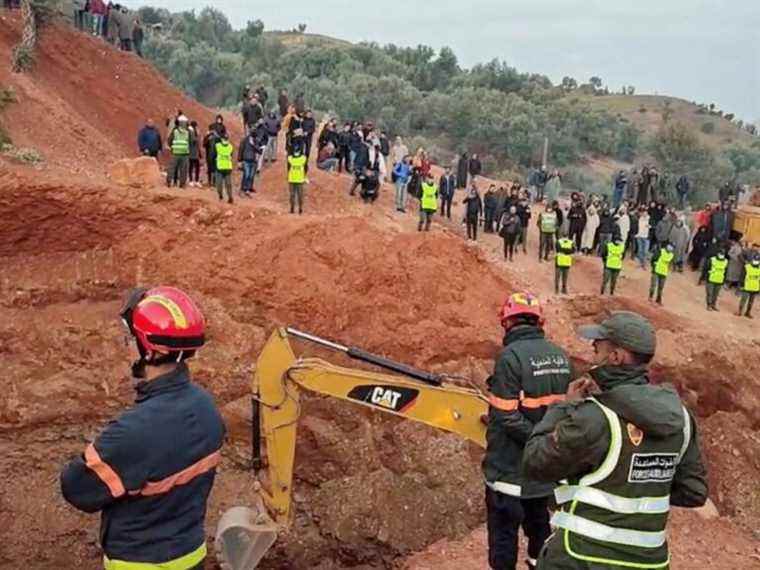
pixel 564 259
pixel 297 170
pixel 181 142
pixel 717 273
pixel 429 197
pixel 617 515
pixel 190 560
pixel 548 222
pixel 752 278
pixel 223 156
pixel 615 255
pixel 662 265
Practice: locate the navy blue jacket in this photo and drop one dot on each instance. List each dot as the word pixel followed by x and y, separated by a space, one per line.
pixel 150 472
pixel 149 139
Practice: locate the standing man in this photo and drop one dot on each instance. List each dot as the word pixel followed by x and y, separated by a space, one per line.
pixel 179 143
pixel 662 260
pixel 683 187
pixel 489 209
pixel 248 157
pixel 402 172
pixel 577 217
pixel 523 210
pixel 530 374
pixel 296 178
pixel 428 202
pixel 475 167
pixel 612 257
pixel 149 140
pixel 620 184
pixel 223 174
pixel 563 263
pixel 151 470
pixel 309 126
pixel 628 450
pixel 547 225
pixel 273 125
pixel 716 276
pixel 209 147
pixel 751 286
pixel 446 188
pixel 473 208
pixel 283 103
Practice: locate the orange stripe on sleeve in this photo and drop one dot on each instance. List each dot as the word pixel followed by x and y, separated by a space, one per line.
pixel 104 471
pixel 502 404
pixel 542 401
pixel 182 477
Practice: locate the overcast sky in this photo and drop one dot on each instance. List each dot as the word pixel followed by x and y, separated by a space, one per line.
pixel 702 50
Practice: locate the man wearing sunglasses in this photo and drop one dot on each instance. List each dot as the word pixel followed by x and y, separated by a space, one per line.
pixel 151 470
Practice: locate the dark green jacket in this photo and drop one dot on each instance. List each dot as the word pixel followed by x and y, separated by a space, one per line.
pixel 529 373
pixel 574 437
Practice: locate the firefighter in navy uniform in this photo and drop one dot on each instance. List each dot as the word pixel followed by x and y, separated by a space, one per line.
pixel 530 374
pixel 151 470
pixel 628 450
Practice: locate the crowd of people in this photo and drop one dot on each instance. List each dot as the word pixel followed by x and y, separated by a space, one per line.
pixel 115 23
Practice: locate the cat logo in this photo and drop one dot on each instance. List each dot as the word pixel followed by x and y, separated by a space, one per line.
pixel 635 434
pixel 385 397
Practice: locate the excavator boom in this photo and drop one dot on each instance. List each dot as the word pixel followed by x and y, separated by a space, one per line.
pixel 279 378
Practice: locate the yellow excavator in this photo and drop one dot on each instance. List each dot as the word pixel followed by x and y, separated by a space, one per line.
pixel 245 533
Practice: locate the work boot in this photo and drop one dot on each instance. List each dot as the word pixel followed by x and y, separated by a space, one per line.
pixel 564 291
pixel 419 227
pixel 749 316
pixel 229 200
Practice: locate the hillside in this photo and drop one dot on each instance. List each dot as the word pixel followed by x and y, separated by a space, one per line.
pixel 72 243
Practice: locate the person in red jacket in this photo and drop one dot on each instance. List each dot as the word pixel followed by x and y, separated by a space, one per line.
pixel 98 11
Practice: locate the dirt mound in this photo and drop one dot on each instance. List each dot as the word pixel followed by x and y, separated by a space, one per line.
pixel 142 172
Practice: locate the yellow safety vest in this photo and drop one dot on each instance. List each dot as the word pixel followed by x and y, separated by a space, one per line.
pixel 190 560
pixel 180 142
pixel 297 170
pixel 615 256
pixel 564 259
pixel 548 222
pixel 752 278
pixel 429 197
pixel 662 265
pixel 223 157
pixel 717 274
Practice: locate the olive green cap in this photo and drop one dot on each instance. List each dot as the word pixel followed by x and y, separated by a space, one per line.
pixel 625 329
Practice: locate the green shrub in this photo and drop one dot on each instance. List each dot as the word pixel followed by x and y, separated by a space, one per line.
pixel 708 127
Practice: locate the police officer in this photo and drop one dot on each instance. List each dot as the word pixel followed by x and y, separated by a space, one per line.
pixel 530 374
pixel 547 226
pixel 151 470
pixel 563 263
pixel 612 257
pixel 716 277
pixel 662 259
pixel 428 203
pixel 750 286
pixel 628 450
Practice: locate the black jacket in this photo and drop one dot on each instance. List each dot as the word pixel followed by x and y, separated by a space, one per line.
pixel 474 206
pixel 248 150
pixel 129 472
pixel 447 185
pixel 309 126
pixel 577 217
pixel 475 167
pixel 273 126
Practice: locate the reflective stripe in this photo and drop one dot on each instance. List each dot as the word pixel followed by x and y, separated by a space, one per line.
pixel 616 445
pixel 547 400
pixel 502 404
pixel 610 502
pixel 182 478
pixel 605 533
pixel 506 488
pixel 104 472
pixel 183 563
pixel 686 433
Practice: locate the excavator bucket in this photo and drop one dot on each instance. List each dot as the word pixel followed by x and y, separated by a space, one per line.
pixel 243 537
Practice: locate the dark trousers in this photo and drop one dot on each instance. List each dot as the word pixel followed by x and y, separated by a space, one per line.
pixel 488 225
pixel 177 172
pixel 224 182
pixel 126 45
pixel 505 514
pixel 446 206
pixel 195 170
pixel 560 274
pixel 747 300
pixel 344 159
pixel 472 228
pixel 509 246
pixel 610 276
pixel 576 234
pixel 296 197
pixel 210 169
pixel 712 293
pixel 545 246
pixel 656 284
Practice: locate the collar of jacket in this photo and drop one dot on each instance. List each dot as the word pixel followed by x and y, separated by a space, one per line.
pixel 168 382
pixel 609 377
pixel 522 332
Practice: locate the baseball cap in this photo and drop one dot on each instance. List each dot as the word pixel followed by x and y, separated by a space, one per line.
pixel 625 329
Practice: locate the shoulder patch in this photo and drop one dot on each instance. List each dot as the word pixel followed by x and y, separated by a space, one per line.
pixel 635 434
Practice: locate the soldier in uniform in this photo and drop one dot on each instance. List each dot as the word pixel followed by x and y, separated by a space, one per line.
pixel 627 450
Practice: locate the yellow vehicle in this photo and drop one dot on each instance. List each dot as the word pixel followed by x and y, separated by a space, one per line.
pixel 747 223
pixel 245 533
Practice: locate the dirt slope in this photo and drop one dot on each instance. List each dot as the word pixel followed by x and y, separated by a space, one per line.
pixel 369 490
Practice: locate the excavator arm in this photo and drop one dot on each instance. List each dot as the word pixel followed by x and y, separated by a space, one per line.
pixel 280 378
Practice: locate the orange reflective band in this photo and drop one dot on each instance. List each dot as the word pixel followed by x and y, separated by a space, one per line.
pixel 182 478
pixel 542 401
pixel 502 404
pixel 104 471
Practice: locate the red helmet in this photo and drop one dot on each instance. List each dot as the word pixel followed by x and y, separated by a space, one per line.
pixel 164 319
pixel 521 304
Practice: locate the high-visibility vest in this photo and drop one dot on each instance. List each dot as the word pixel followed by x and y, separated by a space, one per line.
pixel 752 278
pixel 617 514
pixel 548 222
pixel 187 561
pixel 615 255
pixel 223 156
pixel 662 265
pixel 429 194
pixel 564 258
pixel 717 274
pixel 180 142
pixel 297 169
